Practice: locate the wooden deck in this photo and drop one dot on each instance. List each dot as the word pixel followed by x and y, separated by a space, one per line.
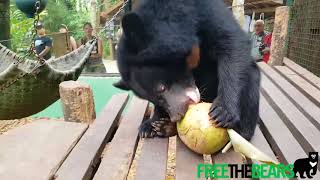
pixel 105 150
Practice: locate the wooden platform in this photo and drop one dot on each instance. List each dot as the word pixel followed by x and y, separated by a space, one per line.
pixel 107 150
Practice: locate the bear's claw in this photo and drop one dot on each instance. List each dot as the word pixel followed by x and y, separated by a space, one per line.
pixel 160 128
pixel 222 117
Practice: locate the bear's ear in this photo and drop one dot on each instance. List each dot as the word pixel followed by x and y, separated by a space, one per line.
pixel 193 59
pixel 122 85
pixel 134 30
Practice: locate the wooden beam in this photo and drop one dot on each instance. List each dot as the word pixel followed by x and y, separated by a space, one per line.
pixel 186 162
pixel 152 163
pixel 116 162
pixel 304 86
pixel 292 91
pixel 264 2
pixel 304 131
pixel 307 75
pixel 77 102
pixel 261 10
pixel 36 150
pixel 279 36
pixel 86 155
pixel 114 7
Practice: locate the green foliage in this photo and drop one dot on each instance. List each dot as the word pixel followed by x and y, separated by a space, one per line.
pixel 113 1
pixel 57 12
pixel 20 28
pixel 62 13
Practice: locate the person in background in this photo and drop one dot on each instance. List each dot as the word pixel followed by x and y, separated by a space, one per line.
pixel 257 38
pixel 266 47
pixel 42 43
pixel 72 44
pixel 95 63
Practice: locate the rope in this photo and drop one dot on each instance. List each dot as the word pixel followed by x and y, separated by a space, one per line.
pixel 108 23
pixel 6 40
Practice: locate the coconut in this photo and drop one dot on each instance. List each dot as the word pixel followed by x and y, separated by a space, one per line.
pixel 199 133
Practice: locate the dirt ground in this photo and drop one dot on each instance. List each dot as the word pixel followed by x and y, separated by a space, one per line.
pixel 6 125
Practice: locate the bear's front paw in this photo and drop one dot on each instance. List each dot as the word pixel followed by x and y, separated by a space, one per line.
pixel 222 117
pixel 160 128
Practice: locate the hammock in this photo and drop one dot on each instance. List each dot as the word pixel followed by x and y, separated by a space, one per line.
pixel 29 87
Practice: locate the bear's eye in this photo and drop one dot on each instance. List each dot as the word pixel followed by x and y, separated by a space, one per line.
pixel 161 88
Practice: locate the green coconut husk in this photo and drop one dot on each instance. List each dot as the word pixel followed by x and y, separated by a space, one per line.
pixel 244 147
pixel 198 133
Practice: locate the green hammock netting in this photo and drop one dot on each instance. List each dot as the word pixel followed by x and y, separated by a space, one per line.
pixel 29 87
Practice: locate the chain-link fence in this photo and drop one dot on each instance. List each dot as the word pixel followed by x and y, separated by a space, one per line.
pixel 304 34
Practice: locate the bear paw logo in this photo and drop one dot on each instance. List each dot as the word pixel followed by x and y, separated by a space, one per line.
pixel 307 166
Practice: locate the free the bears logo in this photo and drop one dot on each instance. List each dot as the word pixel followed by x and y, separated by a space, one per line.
pixel 307 166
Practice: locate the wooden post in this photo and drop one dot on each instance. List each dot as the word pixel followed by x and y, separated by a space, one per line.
pixel 95 17
pixel 5 22
pixel 77 102
pixel 112 49
pixel 279 36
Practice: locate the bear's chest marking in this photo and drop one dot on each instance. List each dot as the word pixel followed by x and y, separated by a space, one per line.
pixel 313 164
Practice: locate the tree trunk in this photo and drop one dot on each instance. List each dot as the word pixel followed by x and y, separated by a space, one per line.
pixel 5 22
pixel 95 17
pixel 77 102
pixel 279 36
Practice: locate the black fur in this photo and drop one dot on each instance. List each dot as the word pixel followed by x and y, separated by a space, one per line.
pixel 158 37
pixel 306 166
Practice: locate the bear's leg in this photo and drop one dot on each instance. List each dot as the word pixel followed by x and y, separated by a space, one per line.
pixel 301 172
pixel 230 47
pixel 309 173
pixel 239 81
pixel 314 171
pixel 249 103
pixel 295 172
pixel 238 111
pixel 159 125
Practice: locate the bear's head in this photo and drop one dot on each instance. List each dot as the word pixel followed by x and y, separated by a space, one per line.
pixel 313 156
pixel 158 69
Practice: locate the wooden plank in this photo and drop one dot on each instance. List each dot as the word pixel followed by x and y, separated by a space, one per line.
pixel 152 163
pixel 310 77
pixel 83 158
pixel 117 160
pixel 259 141
pixel 186 162
pixel 230 157
pixel 295 95
pixel 36 150
pixel 299 82
pixel 279 136
pixel 305 132
pixel 113 8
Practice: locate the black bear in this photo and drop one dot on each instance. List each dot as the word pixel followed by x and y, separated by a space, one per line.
pixel 172 51
pixel 306 166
